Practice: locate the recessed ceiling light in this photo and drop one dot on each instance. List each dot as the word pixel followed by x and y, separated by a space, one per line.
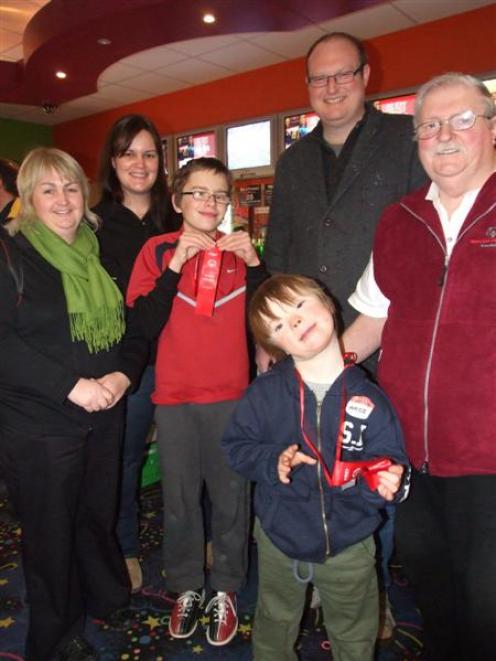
pixel 103 41
pixel 209 18
pixel 61 75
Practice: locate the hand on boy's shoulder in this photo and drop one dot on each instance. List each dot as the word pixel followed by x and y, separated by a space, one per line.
pixel 290 458
pixel 263 359
pixel 240 244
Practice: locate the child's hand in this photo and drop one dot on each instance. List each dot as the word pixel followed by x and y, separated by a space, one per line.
pixel 190 243
pixel 240 244
pixel 390 481
pixel 288 459
pixel 263 360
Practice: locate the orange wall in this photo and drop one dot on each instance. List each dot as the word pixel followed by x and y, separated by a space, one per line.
pixel 404 59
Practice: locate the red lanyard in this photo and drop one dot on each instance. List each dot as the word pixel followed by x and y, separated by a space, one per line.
pixel 349 359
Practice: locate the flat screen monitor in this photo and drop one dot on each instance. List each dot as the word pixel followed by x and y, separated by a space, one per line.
pixel 165 150
pixel 397 105
pixel 298 125
pixel 195 145
pixel 249 149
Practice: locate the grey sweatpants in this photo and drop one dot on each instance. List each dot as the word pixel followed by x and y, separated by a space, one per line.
pixel 189 438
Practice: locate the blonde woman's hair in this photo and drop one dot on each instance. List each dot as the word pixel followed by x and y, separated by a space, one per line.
pixel 34 166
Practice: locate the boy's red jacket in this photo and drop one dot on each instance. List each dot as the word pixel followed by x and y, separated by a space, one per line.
pixel 200 359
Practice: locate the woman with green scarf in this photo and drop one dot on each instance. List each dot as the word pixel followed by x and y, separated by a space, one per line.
pixel 66 363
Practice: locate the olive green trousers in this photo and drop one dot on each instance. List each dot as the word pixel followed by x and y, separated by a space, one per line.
pixel 347 584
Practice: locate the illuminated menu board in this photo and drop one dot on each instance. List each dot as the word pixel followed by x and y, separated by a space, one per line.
pixel 195 146
pixel 249 145
pixel 397 105
pixel 297 126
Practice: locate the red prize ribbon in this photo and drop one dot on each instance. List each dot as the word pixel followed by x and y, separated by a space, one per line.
pixel 346 471
pixel 207 281
pixel 343 472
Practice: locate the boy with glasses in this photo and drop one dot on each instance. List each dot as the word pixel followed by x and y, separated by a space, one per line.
pixel 190 288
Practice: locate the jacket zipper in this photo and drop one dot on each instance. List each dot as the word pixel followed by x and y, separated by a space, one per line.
pixel 442 283
pixel 321 489
pixel 425 465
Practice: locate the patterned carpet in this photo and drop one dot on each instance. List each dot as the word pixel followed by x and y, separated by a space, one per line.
pixel 148 640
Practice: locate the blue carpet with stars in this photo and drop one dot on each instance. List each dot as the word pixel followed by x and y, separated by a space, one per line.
pixel 148 639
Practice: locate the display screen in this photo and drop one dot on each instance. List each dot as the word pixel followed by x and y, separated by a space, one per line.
pixel 195 146
pixel 164 151
pixel 249 145
pixel 397 105
pixel 297 126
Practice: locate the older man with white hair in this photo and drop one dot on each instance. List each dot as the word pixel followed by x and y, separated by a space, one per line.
pixel 428 299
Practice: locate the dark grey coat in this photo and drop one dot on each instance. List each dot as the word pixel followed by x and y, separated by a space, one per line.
pixel 333 243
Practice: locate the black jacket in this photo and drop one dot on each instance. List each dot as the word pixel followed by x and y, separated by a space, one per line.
pixel 307 519
pixel 121 236
pixel 40 364
pixel 331 240
pixel 4 213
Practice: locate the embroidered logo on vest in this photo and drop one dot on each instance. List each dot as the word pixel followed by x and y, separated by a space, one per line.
pixel 489 241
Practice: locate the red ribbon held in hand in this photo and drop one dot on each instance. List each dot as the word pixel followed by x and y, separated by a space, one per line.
pixel 343 472
pixel 208 280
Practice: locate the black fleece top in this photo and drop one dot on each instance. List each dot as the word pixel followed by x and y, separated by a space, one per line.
pixel 4 213
pixel 122 234
pixel 40 364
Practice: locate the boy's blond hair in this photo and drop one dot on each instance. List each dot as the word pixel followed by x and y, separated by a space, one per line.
pixel 281 288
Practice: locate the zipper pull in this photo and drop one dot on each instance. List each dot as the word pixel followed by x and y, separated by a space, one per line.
pixel 444 271
pixel 424 469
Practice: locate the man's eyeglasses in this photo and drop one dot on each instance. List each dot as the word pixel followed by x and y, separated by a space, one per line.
pixel 342 78
pixel 205 195
pixel 462 121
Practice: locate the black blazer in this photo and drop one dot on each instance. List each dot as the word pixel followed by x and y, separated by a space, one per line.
pixel 332 242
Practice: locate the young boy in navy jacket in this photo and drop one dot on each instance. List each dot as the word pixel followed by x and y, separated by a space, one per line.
pixel 190 288
pixel 325 449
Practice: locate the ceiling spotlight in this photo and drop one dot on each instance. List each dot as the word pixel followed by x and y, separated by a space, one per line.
pixel 209 18
pixel 61 75
pixel 103 41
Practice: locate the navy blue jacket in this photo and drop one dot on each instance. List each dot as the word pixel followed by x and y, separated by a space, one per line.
pixel 306 519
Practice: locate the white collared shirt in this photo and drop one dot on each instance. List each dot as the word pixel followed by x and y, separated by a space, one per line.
pixel 367 297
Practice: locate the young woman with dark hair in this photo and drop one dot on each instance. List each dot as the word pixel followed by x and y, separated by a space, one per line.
pixel 135 205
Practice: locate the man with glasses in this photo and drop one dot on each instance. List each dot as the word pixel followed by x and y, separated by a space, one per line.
pixel 332 185
pixel 428 297
pixel 331 188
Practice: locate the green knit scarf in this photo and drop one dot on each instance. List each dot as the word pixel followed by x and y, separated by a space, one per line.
pixel 94 302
